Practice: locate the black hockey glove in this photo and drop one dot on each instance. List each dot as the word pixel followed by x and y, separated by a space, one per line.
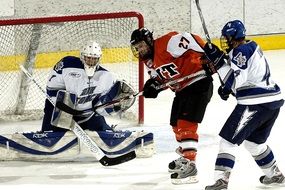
pixel 207 65
pixel 149 89
pixel 224 93
pixel 217 56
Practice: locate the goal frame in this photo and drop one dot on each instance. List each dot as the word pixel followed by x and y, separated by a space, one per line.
pixel 97 16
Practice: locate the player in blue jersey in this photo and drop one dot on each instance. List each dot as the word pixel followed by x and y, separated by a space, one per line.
pixel 91 83
pixel 245 73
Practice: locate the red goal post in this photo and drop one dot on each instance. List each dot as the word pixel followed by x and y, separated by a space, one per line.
pixel 39 43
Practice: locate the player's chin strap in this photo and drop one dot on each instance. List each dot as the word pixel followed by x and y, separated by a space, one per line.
pixel 72 111
pixel 83 136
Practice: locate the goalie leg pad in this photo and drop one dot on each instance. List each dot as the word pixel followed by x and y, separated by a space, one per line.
pixel 65 146
pixel 121 142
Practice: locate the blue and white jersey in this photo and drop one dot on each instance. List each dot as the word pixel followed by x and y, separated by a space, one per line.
pixel 69 74
pixel 248 75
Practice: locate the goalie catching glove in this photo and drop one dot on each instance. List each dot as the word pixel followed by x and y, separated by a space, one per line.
pixel 120 91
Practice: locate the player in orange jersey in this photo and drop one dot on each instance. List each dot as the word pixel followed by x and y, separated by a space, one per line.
pixel 169 57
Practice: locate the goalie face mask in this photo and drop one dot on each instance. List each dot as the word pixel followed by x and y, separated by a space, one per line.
pixel 90 56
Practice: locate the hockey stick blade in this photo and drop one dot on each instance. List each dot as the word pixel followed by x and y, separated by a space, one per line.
pixel 107 161
pixel 96 150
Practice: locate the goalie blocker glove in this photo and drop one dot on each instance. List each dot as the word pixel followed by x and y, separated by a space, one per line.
pixel 150 88
pixel 216 56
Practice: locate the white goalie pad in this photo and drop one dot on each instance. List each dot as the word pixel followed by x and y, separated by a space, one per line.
pixel 65 146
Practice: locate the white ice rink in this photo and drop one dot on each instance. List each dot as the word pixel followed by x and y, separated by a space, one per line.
pixel 151 173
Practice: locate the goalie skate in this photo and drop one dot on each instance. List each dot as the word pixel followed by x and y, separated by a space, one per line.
pixel 185 171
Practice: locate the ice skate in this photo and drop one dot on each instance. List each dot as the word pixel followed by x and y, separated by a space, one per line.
pixel 277 178
pixel 175 165
pixel 184 170
pixel 220 184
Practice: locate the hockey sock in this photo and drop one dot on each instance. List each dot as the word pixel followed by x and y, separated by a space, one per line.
pixel 187 137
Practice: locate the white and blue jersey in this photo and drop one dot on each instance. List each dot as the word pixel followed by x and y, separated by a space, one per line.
pixel 248 76
pixel 258 97
pixel 69 74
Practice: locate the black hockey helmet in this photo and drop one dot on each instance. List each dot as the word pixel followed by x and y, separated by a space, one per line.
pixel 141 34
pixel 139 38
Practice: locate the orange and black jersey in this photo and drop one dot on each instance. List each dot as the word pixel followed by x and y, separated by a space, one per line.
pixel 176 55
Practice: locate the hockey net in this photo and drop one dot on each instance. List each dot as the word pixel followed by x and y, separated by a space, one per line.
pixel 39 43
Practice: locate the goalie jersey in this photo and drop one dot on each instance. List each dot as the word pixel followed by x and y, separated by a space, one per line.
pixel 248 76
pixel 69 74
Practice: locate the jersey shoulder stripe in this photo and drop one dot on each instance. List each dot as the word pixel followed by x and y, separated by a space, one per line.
pixel 68 62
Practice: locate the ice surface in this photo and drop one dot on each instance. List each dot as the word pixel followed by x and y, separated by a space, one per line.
pixel 151 173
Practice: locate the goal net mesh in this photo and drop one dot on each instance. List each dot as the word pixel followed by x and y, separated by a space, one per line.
pixel 39 43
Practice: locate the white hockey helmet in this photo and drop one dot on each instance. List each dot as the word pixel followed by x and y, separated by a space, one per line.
pixel 90 56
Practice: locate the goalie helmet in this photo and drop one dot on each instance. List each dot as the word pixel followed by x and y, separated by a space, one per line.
pixel 90 56
pixel 142 43
pixel 231 32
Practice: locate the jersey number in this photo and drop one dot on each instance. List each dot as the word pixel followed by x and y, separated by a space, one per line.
pixel 184 43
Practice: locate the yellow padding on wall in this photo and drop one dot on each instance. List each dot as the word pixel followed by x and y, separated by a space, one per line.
pixel 270 42
pixel 119 55
pixel 266 42
pixel 48 60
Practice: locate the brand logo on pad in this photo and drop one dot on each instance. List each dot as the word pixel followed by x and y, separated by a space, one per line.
pixel 40 135
pixel 119 135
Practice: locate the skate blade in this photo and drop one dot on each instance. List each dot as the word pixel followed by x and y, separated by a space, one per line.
pixel 187 180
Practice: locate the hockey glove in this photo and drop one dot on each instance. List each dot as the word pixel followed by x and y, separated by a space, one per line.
pixel 217 56
pixel 207 65
pixel 149 89
pixel 224 93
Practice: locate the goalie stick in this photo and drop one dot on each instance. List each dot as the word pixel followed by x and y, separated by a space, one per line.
pixel 83 136
pixel 72 111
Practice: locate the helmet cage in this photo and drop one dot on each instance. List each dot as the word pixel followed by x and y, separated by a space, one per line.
pixel 226 43
pixel 90 56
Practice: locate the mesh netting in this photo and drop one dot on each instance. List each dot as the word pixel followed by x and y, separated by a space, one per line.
pixel 40 45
